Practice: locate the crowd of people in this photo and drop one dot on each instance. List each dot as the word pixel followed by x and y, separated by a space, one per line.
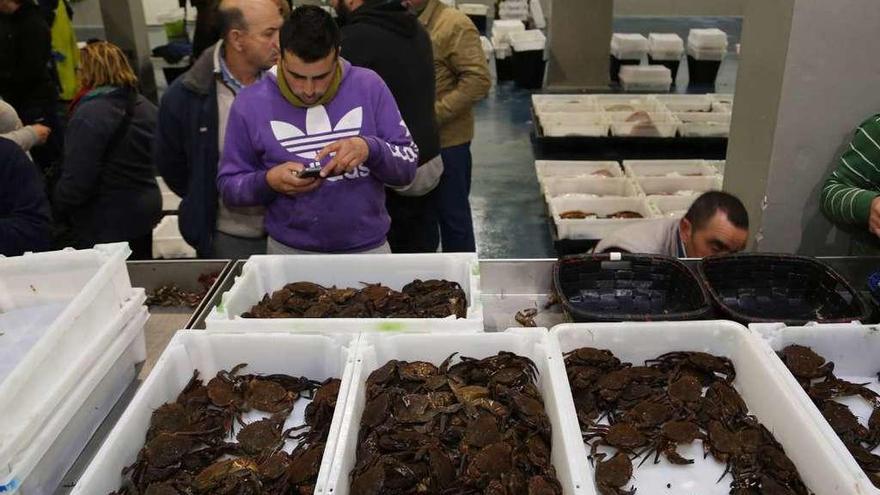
pixel 292 132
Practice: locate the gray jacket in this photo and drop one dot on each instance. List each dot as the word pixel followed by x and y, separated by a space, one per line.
pixel 655 237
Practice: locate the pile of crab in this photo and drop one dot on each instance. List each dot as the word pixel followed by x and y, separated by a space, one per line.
pixel 419 299
pixel 478 426
pixel 816 376
pixel 649 411
pixel 200 444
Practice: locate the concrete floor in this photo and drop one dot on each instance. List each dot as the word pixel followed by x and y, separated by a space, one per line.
pixel 508 209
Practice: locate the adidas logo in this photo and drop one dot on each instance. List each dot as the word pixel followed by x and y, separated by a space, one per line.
pixel 319 131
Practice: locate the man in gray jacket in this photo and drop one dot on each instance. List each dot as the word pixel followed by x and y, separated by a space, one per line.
pixel 716 223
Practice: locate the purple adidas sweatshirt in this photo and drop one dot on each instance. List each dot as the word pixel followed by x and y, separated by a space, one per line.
pixel 345 214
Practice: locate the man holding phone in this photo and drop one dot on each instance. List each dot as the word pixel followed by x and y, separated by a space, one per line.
pixel 317 109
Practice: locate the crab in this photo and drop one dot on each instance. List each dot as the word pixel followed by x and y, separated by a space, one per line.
pixel 805 364
pixel 622 436
pixel 673 434
pixel 613 474
pixel 700 363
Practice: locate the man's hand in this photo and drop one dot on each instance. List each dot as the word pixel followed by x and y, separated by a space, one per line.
pixel 874 218
pixel 350 153
pixel 42 132
pixel 282 178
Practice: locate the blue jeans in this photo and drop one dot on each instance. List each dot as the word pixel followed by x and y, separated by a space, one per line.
pixel 453 205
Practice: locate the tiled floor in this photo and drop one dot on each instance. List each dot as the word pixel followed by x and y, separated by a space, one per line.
pixel 507 206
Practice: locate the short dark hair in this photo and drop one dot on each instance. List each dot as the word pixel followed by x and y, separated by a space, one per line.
pixel 229 18
pixel 712 202
pixel 310 33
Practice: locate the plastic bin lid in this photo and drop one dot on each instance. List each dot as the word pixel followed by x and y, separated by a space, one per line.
pixel 629 42
pixel 665 42
pixel 707 38
pixel 645 74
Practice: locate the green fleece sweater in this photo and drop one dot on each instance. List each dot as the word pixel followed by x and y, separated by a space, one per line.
pixel 849 191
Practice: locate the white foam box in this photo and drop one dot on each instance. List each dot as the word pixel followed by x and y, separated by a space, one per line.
pixel 170 201
pixel 628 103
pixel 57 313
pixel 374 351
pixel 315 356
pixel 854 349
pixel 656 78
pixel 766 394
pixel 263 275
pixel 707 38
pixel 168 242
pixel 667 168
pixel 599 187
pixel 41 468
pixel 713 54
pixel 564 103
pixel 574 124
pixel 628 46
pixel 678 186
pixel 597 228
pixel 475 9
pixel 547 169
pixel 530 40
pixel 704 124
pixel 665 46
pixel 672 206
pixel 685 103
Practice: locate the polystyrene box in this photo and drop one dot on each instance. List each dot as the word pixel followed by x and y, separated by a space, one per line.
pixel 645 78
pixel 263 275
pixel 707 38
pixel 765 392
pixel 627 46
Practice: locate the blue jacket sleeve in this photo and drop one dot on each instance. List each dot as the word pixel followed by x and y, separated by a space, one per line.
pixel 169 152
pixel 25 220
pixel 394 155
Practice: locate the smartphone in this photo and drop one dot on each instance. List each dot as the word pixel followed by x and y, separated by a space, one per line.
pixel 309 173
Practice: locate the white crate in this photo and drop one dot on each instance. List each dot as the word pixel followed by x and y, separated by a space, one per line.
pixel 765 393
pixel 665 46
pixel 626 46
pixel 475 9
pixel 170 201
pixel 712 54
pixel 597 228
pixel 672 206
pixel 168 242
pixel 574 124
pixel 685 103
pixel 265 274
pixel 704 129
pixel 41 468
pixel 719 165
pixel 678 186
pixel 564 104
pixel 708 38
pixel 314 356
pixel 57 311
pixel 546 169
pixel 599 187
pixel 375 351
pixel 644 129
pixel 628 103
pixel 667 168
pixel 854 349
pixel 656 78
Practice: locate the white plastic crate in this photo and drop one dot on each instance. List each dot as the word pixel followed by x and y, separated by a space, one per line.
pixel 672 206
pixel 600 187
pixel 655 78
pixel 574 124
pixel 659 116
pixel 665 46
pixel 667 168
pixel 628 103
pixel 523 41
pixel 707 38
pixel 170 201
pixel 678 186
pixel 375 351
pixel 42 466
pixel 722 102
pixel 265 274
pixel 704 129
pixel 57 311
pixel 597 228
pixel 719 165
pixel 713 54
pixel 475 9
pixel 685 103
pixel 766 394
pixel 664 129
pixel 168 242
pixel 546 169
pixel 315 356
pixel 854 349
pixel 548 104
pixel 628 46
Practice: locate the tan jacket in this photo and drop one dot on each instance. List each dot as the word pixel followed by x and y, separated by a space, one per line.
pixel 460 69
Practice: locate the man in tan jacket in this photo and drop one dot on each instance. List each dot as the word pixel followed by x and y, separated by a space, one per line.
pixel 462 78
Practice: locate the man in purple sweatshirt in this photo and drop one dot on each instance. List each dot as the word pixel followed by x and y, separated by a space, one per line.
pixel 317 110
